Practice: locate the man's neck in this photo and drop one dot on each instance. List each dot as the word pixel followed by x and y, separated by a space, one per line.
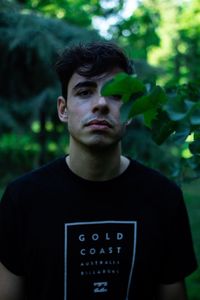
pixel 97 165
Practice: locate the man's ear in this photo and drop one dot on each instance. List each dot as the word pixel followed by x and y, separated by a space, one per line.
pixel 62 109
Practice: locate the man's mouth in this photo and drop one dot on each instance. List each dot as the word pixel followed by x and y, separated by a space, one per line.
pixel 100 123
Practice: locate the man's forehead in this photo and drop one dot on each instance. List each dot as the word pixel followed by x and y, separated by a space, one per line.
pixel 76 78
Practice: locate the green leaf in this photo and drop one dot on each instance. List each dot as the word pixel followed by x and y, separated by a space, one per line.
pixel 124 85
pixel 177 109
pixel 152 101
pixel 124 112
pixel 195 147
pixel 162 128
pixel 195 114
pixel 181 135
pixel 197 134
pixel 149 116
pixel 194 162
pixel 182 130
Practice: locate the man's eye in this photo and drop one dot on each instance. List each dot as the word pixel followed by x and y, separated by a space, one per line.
pixel 84 93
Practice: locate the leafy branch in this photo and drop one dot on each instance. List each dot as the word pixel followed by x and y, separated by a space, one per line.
pixel 175 112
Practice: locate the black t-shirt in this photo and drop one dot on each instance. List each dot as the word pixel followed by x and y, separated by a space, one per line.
pixel 75 239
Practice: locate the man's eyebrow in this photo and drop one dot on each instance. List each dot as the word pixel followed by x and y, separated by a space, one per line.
pixel 86 83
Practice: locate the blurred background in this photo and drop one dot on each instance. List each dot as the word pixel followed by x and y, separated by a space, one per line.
pixel 162 37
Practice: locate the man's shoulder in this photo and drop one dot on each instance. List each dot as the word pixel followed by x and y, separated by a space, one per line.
pixel 45 173
pixel 143 169
pixel 154 188
pixel 153 179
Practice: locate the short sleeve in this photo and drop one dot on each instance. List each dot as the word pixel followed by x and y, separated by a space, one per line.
pixel 10 235
pixel 179 259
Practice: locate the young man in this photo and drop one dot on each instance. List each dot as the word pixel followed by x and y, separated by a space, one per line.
pixel 64 235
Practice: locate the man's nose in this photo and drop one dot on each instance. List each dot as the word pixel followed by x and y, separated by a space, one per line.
pixel 101 104
pixel 102 100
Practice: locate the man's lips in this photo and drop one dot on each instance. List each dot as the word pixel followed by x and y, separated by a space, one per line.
pixel 100 123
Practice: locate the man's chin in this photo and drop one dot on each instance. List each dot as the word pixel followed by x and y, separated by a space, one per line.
pixel 102 143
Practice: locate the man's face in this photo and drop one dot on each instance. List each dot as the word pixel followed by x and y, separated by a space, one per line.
pixel 93 120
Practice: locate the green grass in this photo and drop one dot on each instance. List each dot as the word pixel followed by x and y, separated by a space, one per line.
pixel 192 200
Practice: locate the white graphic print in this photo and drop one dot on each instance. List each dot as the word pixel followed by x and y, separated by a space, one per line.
pixel 100 287
pixel 99 259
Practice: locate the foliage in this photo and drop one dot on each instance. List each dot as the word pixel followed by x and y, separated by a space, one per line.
pixel 165 33
pixel 29 46
pixel 79 12
pixel 179 51
pixel 138 33
pixel 15 149
pixel 19 152
pixel 175 113
pixel 162 38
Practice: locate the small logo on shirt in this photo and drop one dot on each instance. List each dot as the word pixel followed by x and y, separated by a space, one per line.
pixel 100 287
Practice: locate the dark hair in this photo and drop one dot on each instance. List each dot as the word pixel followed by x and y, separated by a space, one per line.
pixel 90 60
